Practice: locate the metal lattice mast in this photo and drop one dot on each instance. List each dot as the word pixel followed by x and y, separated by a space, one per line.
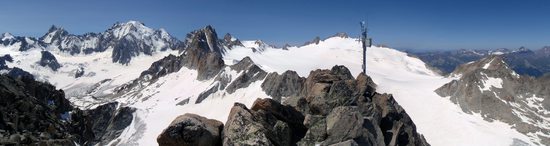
pixel 365 42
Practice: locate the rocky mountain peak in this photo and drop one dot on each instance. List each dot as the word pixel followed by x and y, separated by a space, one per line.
pixel 243 64
pixel 136 28
pixel 493 63
pixel 54 33
pixel 204 40
pixel 491 88
pixel 228 37
pixel 231 41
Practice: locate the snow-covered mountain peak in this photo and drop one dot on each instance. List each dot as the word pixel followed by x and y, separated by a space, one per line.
pixel 164 34
pixel 7 36
pixel 120 30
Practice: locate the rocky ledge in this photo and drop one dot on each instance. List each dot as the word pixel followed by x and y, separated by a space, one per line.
pixel 331 108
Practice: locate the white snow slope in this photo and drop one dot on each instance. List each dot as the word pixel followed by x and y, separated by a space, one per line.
pixel 408 79
pixel 97 67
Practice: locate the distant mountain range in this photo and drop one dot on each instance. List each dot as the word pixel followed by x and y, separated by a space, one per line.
pixel 522 60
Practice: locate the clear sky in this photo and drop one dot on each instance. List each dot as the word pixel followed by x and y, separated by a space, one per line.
pixel 402 24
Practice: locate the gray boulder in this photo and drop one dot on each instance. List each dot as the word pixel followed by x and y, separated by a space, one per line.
pixel 267 123
pixel 191 130
pixel 284 85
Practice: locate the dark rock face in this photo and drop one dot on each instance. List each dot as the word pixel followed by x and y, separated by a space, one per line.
pixel 19 73
pixel 251 73
pixel 48 60
pixel 207 93
pixel 192 130
pixel 108 121
pixel 32 112
pixel 162 67
pixel 204 53
pixel 287 84
pixel 3 60
pixel 35 113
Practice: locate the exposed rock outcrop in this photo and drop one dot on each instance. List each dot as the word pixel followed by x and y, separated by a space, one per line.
pixel 204 53
pixel 250 73
pixel 108 121
pixel 48 60
pixel 3 60
pixel 286 84
pixel 315 41
pixel 230 42
pixel 192 130
pixel 266 123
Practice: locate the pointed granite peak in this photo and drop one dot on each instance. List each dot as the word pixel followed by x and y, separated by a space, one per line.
pixel 204 40
pixel 55 28
pixel 54 33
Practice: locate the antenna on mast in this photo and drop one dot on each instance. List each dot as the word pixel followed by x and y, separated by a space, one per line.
pixel 365 42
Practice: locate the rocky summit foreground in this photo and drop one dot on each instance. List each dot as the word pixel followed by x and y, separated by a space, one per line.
pixel 332 108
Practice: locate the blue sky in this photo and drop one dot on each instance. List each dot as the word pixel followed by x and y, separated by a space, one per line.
pixel 402 24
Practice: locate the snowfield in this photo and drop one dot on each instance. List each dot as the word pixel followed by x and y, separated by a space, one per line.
pixel 408 79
